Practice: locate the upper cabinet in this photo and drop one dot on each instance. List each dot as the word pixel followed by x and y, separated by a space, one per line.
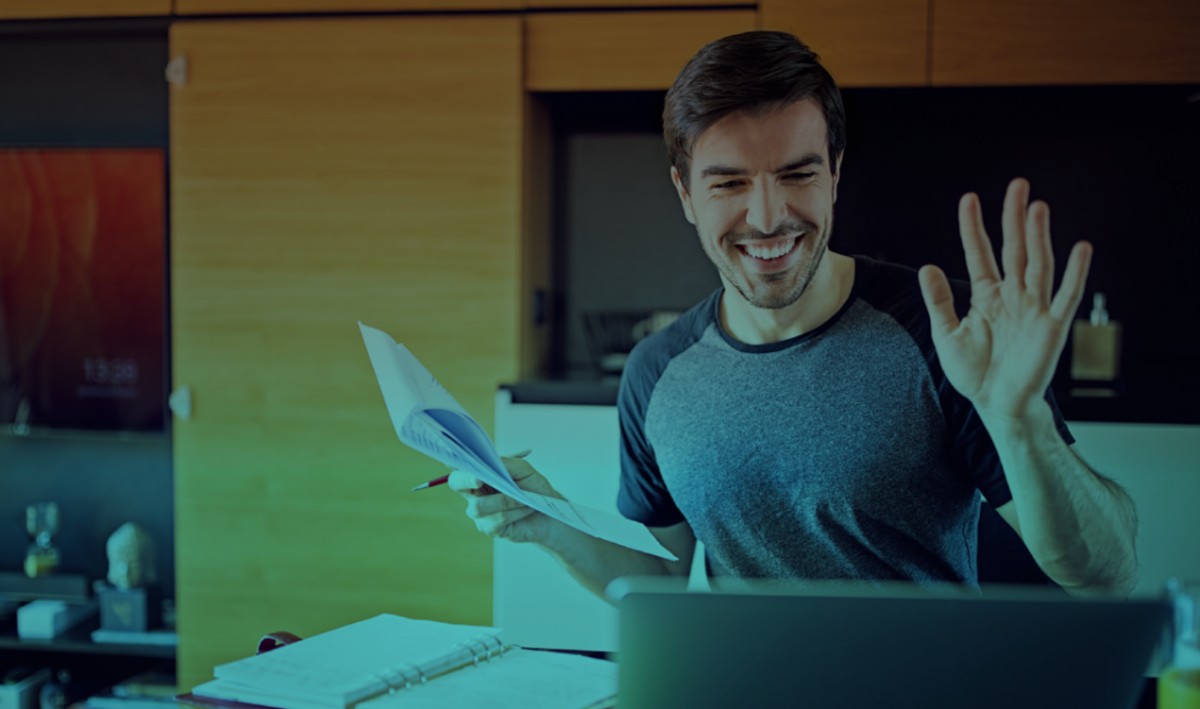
pixel 222 7
pixel 55 9
pixel 861 42
pixel 996 42
pixel 617 51
pixel 592 4
pixel 1023 42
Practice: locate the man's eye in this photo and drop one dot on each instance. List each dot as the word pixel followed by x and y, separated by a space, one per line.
pixel 799 175
pixel 727 185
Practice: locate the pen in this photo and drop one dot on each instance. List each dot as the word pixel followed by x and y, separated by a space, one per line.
pixel 442 479
pixel 432 483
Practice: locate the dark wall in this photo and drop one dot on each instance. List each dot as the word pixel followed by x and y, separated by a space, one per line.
pixel 1119 166
pixel 99 483
pixel 85 84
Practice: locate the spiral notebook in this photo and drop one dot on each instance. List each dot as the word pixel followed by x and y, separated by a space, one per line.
pixel 390 660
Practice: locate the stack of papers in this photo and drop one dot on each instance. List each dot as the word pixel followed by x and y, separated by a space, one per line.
pixel 427 418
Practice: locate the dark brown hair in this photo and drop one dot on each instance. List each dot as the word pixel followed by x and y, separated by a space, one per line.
pixel 751 71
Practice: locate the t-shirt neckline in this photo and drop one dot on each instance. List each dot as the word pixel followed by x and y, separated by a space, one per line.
pixel 861 268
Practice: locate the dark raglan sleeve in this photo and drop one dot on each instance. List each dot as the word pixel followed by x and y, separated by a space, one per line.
pixel 969 443
pixel 642 497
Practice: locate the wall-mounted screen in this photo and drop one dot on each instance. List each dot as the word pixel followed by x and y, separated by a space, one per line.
pixel 82 289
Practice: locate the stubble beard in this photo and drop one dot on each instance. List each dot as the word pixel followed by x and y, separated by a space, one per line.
pixel 768 298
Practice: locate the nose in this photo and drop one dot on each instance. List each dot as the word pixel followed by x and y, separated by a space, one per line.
pixel 767 207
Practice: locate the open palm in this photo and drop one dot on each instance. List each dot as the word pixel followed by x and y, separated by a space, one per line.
pixel 1002 355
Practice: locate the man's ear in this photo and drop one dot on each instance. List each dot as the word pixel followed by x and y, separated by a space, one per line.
pixel 684 198
pixel 837 175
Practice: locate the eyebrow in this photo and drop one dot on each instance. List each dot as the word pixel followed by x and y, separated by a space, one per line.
pixel 727 171
pixel 807 160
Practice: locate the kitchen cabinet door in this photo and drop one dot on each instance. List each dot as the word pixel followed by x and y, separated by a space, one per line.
pixel 231 7
pixel 861 42
pixel 323 172
pixel 620 51
pixel 55 9
pixel 1022 42
pixel 593 4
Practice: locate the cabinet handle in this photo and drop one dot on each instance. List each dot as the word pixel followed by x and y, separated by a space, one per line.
pixel 176 72
pixel 180 403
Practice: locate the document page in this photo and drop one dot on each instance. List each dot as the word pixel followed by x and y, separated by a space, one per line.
pixel 342 665
pixel 427 418
pixel 520 679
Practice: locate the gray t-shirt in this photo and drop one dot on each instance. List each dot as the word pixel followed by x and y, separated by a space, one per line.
pixel 843 453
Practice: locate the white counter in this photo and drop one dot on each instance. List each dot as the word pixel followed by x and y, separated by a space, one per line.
pixel 539 605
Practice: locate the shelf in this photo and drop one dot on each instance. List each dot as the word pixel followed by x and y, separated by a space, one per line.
pixel 587 392
pixel 9 430
pixel 78 640
pixel 16 586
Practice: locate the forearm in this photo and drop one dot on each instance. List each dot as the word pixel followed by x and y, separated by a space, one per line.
pixel 1079 526
pixel 596 563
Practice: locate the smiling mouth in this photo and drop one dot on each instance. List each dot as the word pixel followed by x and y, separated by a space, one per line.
pixel 769 250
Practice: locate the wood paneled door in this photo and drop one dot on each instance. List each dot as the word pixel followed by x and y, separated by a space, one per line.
pixel 1024 42
pixel 223 7
pixel 326 171
pixel 861 42
pixel 57 9
pixel 620 51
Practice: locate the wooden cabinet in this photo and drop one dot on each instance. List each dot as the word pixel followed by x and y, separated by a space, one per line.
pixel 861 42
pixel 593 4
pixel 617 51
pixel 1022 42
pixel 325 172
pixel 996 42
pixel 54 9
pixel 229 7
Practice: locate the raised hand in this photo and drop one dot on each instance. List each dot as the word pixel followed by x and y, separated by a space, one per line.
pixel 1002 355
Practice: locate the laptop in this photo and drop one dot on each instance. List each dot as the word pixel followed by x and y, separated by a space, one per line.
pixel 880 645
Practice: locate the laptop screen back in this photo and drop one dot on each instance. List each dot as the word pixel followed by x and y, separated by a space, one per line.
pixel 892 647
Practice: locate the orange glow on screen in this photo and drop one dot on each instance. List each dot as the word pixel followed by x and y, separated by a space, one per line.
pixel 82 243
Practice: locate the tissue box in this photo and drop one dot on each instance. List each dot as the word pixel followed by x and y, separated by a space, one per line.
pixel 45 620
pixel 22 692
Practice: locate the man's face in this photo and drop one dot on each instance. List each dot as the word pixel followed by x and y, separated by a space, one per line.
pixel 761 197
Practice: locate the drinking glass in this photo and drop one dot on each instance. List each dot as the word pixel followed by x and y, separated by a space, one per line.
pixel 1179 684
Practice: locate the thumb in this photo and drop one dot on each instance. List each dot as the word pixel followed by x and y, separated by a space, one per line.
pixel 518 467
pixel 529 478
pixel 939 300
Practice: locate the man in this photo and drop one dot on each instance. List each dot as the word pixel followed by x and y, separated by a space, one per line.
pixel 812 418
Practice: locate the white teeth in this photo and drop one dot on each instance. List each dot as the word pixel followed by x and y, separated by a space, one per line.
pixel 770 252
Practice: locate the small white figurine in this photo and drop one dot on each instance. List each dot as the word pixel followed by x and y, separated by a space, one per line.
pixel 130 557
